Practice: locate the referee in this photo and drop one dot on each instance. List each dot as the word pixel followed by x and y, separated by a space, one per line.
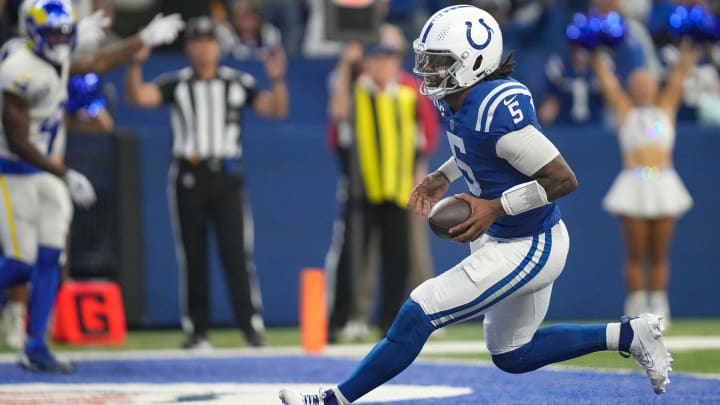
pixel 206 186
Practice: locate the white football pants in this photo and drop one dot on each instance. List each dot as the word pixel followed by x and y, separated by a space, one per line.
pixel 35 210
pixel 507 280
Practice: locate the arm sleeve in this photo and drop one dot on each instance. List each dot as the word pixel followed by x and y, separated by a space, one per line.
pixel 527 150
pixel 450 169
pixel 167 83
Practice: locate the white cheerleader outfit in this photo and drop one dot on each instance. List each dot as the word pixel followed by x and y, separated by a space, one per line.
pixel 647 192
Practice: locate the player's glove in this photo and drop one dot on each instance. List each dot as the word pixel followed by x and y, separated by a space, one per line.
pixel 81 190
pixel 162 30
pixel 91 31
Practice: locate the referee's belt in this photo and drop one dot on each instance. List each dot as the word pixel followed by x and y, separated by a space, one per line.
pixel 217 165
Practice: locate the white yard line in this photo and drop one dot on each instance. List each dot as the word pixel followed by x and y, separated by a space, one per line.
pixel 673 343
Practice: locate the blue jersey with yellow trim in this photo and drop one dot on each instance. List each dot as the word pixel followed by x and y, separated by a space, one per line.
pixel 490 110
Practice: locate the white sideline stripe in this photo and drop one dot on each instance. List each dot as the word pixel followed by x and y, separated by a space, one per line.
pixel 673 344
pixel 220 393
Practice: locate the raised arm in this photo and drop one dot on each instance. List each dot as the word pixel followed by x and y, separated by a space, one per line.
pixel 273 103
pixel 161 30
pixel 107 58
pixel 670 96
pixel 137 91
pixel 340 104
pixel 612 91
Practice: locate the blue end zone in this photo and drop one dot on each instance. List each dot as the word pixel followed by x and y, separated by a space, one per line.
pixel 488 384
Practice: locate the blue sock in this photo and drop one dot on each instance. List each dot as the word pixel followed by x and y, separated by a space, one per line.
pixel 393 354
pixel 13 272
pixel 626 335
pixel 45 277
pixel 553 344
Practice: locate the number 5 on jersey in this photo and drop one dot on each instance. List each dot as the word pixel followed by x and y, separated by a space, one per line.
pixel 458 149
pixel 512 105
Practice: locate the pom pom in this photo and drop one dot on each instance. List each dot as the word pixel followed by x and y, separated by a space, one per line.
pixel 591 30
pixel 613 29
pixel 695 22
pixel 85 93
pixel 584 31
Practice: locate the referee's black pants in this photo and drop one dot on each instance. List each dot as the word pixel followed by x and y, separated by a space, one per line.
pixel 392 224
pixel 210 193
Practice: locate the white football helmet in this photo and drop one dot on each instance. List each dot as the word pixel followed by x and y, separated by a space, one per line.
pixel 51 29
pixel 458 47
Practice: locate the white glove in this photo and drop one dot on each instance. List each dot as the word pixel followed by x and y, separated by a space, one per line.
pixel 162 30
pixel 91 31
pixel 81 190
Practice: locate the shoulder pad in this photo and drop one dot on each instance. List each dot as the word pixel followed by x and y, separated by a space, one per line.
pixel 506 107
pixel 21 74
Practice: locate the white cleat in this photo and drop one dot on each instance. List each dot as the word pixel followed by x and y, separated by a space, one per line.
pixel 324 397
pixel 14 326
pixel 648 350
pixel 289 397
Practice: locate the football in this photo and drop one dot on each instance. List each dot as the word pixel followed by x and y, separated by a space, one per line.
pixel 447 213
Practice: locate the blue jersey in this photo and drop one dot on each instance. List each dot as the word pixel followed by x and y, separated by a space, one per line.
pixel 492 109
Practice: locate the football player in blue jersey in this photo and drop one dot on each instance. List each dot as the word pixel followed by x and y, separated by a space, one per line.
pixel 518 241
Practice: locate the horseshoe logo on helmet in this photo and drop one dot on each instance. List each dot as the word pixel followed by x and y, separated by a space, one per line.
pixel 474 44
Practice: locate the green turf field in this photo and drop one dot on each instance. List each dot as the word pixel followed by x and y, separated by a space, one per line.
pixel 694 361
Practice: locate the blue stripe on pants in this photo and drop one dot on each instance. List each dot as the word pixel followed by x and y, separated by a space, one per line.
pixel 534 272
pixel 495 287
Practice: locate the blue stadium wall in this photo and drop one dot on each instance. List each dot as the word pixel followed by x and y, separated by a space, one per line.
pixel 291 177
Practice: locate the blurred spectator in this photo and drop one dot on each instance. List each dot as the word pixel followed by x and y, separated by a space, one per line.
pixel 410 15
pixel 247 35
pixel 701 94
pixel 525 26
pixel 373 191
pixel 572 94
pixel 701 91
pixel 636 50
pixel 287 16
pixel 315 42
pixel 648 195
pixel 527 31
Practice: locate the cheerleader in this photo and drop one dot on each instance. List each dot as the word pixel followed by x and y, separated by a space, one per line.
pixel 648 195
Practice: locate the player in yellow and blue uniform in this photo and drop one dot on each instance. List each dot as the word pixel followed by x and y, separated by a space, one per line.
pixel 35 205
pixel 517 238
pixel 33 80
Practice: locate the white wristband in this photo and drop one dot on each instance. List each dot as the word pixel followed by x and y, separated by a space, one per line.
pixel 450 170
pixel 523 198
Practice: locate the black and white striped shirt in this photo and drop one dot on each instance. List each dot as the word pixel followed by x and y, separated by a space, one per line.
pixel 206 114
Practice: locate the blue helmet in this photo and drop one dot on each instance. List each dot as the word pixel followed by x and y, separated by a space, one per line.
pixel 51 29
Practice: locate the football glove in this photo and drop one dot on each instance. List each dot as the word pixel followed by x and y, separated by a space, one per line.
pixel 81 190
pixel 162 30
